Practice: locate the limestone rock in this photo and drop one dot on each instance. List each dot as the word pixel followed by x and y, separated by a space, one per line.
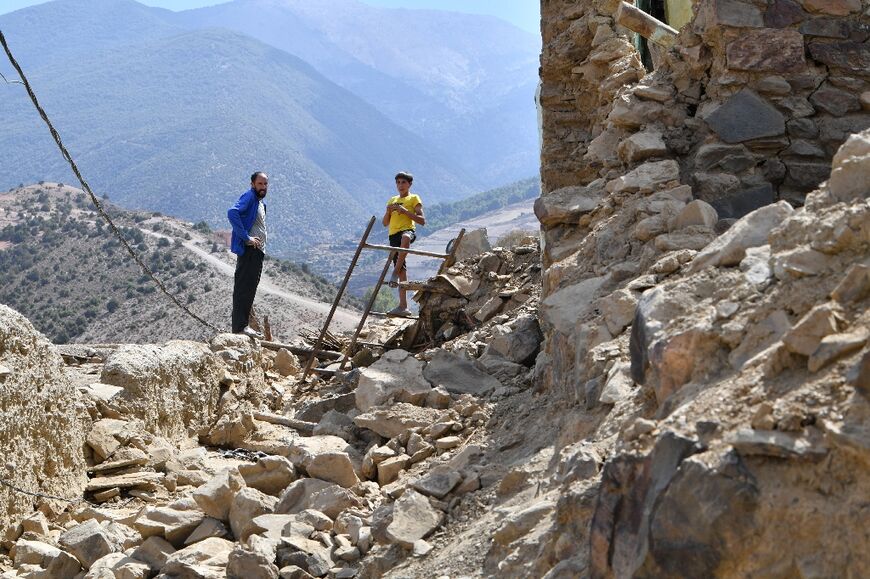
pixel 750 231
pixel 854 286
pixel 413 519
pixel 697 212
pixel 333 467
pixel 270 474
pixel 390 421
pixel 209 527
pixel 389 469
pixel 396 374
pixel 850 175
pixel 297 497
pixel 171 524
pixel 473 244
pixel 40 431
pixel 173 389
pixel 89 542
pixel 566 205
pixel 154 552
pixel 642 146
pixel 119 565
pixel 805 336
pixel 286 363
pixel 247 504
pixel 57 563
pixel 216 496
pixel 750 442
pixel 438 483
pixel 646 177
pixel 518 524
pixel 253 561
pixel 835 346
pixel 618 310
pixel 458 375
pixel 833 7
pixel 521 345
pixel 206 559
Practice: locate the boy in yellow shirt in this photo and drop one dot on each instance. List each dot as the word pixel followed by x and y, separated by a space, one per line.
pixel 404 212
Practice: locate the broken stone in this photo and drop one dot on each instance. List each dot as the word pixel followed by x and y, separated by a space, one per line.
pixel 697 212
pixel 806 335
pixel 270 474
pixel 247 504
pixel 519 524
pixel 438 484
pixel 566 205
pixel 171 524
pixel 394 420
pixel 850 174
pixel 836 346
pixel 297 497
pixel 216 496
pixel 642 146
pixel 253 561
pixel 413 519
pixel 389 469
pixel 458 375
pixel 854 286
pixel 119 565
pixel 396 375
pixel 749 442
pixel 750 231
pixel 57 563
pixel 154 552
pixel 618 385
pixel 521 345
pixel 286 363
pixel 473 244
pixel 833 7
pixel 333 467
pixel 448 442
pixel 89 542
pixel 746 116
pixel 102 437
pixel 207 559
pixel 124 481
pixel 646 177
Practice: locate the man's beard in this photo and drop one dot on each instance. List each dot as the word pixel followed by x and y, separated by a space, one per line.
pixel 260 194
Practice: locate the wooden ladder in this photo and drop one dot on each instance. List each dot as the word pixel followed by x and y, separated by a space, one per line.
pixel 448 260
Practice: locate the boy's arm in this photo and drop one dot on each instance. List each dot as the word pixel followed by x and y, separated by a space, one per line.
pixel 386 220
pixel 417 215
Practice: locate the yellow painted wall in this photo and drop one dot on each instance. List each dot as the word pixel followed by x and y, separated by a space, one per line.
pixel 678 12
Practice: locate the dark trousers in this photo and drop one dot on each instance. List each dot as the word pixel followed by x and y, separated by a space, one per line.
pixel 249 266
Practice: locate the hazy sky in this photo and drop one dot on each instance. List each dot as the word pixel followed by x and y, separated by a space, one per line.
pixel 522 13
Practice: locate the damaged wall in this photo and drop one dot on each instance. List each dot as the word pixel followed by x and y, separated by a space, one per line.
pixel 42 423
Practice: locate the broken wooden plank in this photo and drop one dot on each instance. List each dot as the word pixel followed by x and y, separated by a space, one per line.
pixel 300 425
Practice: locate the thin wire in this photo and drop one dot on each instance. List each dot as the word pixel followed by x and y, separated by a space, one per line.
pixel 90 193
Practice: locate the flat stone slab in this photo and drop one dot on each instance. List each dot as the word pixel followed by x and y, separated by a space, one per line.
pixel 767 49
pixel 123 481
pixel 458 375
pixel 394 420
pixel 746 116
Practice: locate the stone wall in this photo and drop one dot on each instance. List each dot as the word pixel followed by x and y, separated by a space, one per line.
pixel 41 421
pixel 746 109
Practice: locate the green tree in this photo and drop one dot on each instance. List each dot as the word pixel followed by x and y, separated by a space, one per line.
pixel 385 301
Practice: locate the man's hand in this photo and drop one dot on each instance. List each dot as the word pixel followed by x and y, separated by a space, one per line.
pixel 256 242
pixel 397 207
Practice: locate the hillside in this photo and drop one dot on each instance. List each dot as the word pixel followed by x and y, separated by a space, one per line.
pixel 71 276
pixel 464 82
pixel 178 123
pixel 152 101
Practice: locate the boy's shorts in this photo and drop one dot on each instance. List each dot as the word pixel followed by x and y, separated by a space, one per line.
pixel 396 241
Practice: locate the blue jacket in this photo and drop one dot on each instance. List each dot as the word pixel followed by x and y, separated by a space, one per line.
pixel 242 216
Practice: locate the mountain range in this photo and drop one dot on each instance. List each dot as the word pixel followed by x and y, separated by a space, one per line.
pixel 171 111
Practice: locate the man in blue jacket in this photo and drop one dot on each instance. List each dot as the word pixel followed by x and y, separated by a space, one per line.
pixel 248 218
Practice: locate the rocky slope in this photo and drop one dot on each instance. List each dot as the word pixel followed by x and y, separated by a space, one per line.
pixel 65 271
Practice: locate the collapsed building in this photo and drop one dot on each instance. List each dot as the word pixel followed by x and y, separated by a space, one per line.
pixel 674 381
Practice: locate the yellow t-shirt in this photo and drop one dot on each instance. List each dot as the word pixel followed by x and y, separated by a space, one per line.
pixel 398 221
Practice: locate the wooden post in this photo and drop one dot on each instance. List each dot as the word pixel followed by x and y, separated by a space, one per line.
pixel 359 248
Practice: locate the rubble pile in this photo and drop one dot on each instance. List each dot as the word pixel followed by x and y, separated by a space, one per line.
pixel 673 381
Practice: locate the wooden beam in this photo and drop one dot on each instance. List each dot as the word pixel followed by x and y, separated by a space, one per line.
pixel 409 250
pixel 650 28
pixel 325 354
